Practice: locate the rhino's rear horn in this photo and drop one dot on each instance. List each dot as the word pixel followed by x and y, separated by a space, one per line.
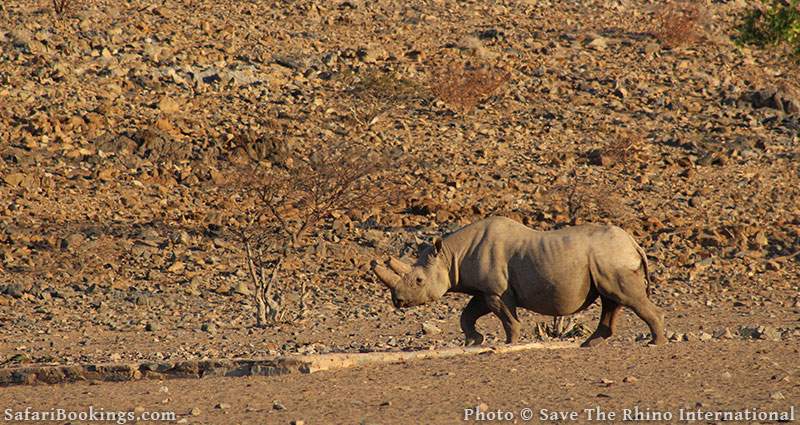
pixel 398 266
pixel 387 276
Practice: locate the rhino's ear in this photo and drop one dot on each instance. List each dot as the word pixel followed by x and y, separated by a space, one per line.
pixel 437 246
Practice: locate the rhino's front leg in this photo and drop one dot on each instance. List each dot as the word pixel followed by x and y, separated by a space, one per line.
pixel 507 317
pixel 475 309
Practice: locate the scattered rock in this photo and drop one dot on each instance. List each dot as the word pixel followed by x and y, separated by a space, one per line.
pixel 760 332
pixel 242 289
pixel 168 105
pixel 430 329
pixel 177 267
pixel 724 333
pixel 14 179
pixel 598 43
pixel 777 395
pixel 773 98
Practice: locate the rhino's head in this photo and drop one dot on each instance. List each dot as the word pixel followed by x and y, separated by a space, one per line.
pixel 423 282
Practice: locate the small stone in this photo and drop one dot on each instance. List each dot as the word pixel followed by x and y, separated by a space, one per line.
pixel 152 327
pixel 115 357
pixel 298 422
pixel 72 241
pixel 242 289
pixel 430 329
pixel 773 265
pixel 194 411
pixel 106 174
pixel 749 332
pixel 690 337
pixel 168 106
pixel 276 405
pixel 652 48
pixel 630 380
pixel 14 179
pixel 760 239
pixel 769 333
pixel 724 333
pixel 222 406
pixel 598 44
pixel 177 267
pixel 184 238
pixel 777 395
pixel 705 336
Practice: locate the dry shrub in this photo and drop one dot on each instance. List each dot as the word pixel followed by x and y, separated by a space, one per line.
pixel 375 93
pixel 281 207
pixel 679 23
pixel 562 327
pixel 462 87
pixel 623 148
pixel 579 201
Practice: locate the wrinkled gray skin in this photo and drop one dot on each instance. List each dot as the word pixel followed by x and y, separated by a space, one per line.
pixel 504 265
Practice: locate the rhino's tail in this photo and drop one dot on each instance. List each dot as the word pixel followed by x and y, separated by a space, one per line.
pixel 643 256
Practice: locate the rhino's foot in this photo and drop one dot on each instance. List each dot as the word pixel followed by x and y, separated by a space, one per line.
pixel 593 341
pixel 473 340
pixel 659 340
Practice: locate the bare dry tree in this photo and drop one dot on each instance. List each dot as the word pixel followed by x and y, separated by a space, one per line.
pixel 286 205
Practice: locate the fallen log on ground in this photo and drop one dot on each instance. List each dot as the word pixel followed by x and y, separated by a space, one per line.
pixel 59 374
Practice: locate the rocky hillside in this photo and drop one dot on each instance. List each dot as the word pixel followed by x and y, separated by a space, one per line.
pixel 122 122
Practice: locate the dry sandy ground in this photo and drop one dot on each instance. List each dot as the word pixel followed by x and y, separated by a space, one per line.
pixel 122 122
pixel 758 376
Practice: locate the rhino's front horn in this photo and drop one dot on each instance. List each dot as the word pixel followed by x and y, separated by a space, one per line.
pixel 398 266
pixel 387 276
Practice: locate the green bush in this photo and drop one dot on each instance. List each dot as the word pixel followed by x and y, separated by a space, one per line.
pixel 778 21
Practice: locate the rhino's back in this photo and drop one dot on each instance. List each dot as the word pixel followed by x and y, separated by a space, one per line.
pixel 548 271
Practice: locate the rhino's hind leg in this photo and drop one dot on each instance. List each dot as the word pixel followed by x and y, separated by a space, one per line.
pixel 652 315
pixel 605 328
pixel 507 316
pixel 475 309
pixel 629 290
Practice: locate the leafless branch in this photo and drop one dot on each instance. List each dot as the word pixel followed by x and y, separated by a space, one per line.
pixel 286 205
